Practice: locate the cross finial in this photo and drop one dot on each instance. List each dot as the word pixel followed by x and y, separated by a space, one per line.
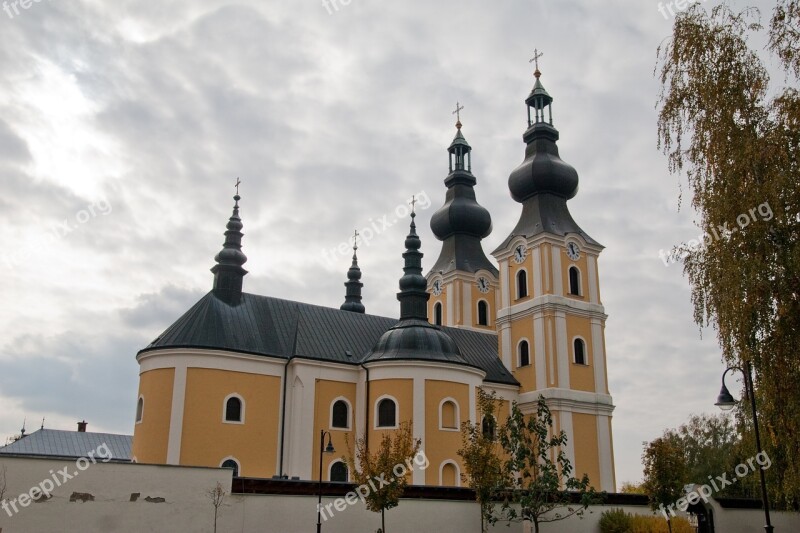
pixel 238 182
pixel 355 240
pixel 457 112
pixel 413 203
pixel 536 55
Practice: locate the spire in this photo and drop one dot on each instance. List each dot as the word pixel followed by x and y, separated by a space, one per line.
pixel 352 299
pixel 228 272
pixel 461 222
pixel 413 293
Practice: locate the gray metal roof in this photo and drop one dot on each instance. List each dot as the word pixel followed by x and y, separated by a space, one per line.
pixel 59 443
pixel 263 325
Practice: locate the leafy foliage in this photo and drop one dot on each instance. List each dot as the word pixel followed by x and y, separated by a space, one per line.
pixel 665 472
pixel 737 139
pixel 480 451
pixel 538 471
pixel 397 447
pixel 618 521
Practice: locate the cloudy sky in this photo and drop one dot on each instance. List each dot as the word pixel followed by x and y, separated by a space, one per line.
pixel 124 125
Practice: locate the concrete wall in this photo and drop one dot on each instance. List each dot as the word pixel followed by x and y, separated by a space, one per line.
pixel 108 489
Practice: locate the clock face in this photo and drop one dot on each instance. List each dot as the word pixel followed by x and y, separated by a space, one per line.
pixel 519 253
pixel 483 284
pixel 573 252
pixel 437 287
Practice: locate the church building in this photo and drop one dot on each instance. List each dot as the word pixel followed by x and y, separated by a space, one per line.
pixel 250 381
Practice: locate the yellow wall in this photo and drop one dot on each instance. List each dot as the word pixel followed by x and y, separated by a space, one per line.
pixel 581 263
pixel 443 444
pixel 523 329
pixel 326 392
pixel 512 277
pixel 489 298
pixel 151 436
pixel 585 444
pixel 206 440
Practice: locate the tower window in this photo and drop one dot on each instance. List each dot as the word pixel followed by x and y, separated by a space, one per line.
pixel 139 409
pixel 483 313
pixel 437 313
pixel 234 409
pixel 574 281
pixel 522 284
pixel 448 474
pixel 387 413
pixel 489 427
pixel 339 472
pixel 524 354
pixel 448 415
pixel 233 464
pixel 340 415
pixel 580 352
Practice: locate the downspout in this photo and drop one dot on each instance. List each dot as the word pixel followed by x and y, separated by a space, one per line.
pixel 283 415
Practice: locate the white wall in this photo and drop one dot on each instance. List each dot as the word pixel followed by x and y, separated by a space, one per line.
pixel 187 508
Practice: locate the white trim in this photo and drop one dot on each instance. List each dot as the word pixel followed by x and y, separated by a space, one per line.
pixel 551 302
pixel 591 272
pixel 140 411
pixel 567 427
pixel 457 414
pixel 537 271
pixel 539 351
pixel 447 319
pixel 519 355
pixel 599 357
pixel 505 294
pixel 176 414
pixel 580 281
pixel 330 470
pixel 418 427
pixel 562 350
pixel 441 471
pixel 235 460
pixel 478 313
pixel 466 297
pixel 225 408
pixel 585 351
pixel 516 284
pixel 607 481
pixel 558 280
pixel 349 426
pixel 505 345
pixel 396 412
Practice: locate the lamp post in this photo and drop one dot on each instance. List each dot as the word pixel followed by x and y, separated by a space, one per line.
pixel 726 402
pixel 322 449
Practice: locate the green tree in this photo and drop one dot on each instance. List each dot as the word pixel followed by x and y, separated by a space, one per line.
pixel 629 487
pixel 736 136
pixel 391 464
pixel 480 452
pixel 539 474
pixel 665 474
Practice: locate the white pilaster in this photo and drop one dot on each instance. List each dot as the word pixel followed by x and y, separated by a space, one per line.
pixel 176 415
pixel 536 256
pixel 505 292
pixel 591 265
pixel 539 352
pixel 418 477
pixel 466 303
pixel 605 455
pixel 558 279
pixel 562 349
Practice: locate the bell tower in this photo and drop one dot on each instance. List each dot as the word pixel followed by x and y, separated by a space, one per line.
pixel 551 320
pixel 463 282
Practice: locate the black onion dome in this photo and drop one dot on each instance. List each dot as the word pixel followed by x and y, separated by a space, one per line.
pixel 228 272
pixel 461 222
pixel 353 285
pixel 415 339
pixel 543 170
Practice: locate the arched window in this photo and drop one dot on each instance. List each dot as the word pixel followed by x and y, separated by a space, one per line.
pixel 524 354
pixel 233 464
pixel 234 409
pixel 139 409
pixel 483 313
pixel 574 281
pixel 448 414
pixel 339 472
pixel 437 313
pixel 489 427
pixel 522 284
pixel 580 352
pixel 448 474
pixel 340 415
pixel 387 413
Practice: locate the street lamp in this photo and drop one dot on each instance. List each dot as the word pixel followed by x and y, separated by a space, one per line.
pixel 322 449
pixel 726 402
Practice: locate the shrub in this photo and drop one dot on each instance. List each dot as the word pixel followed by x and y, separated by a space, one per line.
pixel 615 521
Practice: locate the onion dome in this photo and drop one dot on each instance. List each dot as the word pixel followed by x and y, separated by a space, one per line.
pixel 228 272
pixel 413 337
pixel 461 222
pixel 352 299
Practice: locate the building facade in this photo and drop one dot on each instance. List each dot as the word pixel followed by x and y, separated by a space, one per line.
pixel 250 381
